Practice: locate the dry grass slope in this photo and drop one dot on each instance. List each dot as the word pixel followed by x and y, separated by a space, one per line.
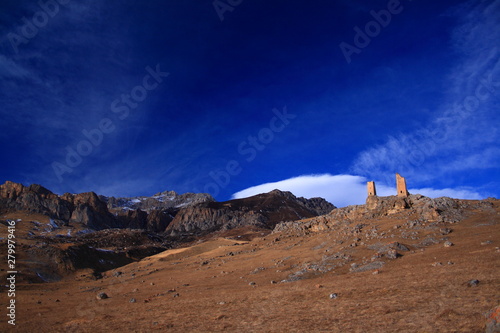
pixel 282 282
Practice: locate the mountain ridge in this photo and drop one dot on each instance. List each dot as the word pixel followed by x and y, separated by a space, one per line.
pixel 198 211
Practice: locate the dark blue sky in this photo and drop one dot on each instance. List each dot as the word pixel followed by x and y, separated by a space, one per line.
pixel 265 95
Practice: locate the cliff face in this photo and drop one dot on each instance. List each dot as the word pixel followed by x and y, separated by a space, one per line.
pixel 84 208
pixel 34 198
pixel 263 210
pixel 99 212
pixel 164 212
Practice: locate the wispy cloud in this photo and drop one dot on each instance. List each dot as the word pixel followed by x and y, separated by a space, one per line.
pixel 63 82
pixel 464 132
pixel 458 193
pixel 10 69
pixel 345 190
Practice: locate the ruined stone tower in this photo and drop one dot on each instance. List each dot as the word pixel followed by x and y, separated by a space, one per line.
pixel 401 186
pixel 372 191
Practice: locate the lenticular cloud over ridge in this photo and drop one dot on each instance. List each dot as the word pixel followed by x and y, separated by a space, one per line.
pixel 341 190
pixel 344 190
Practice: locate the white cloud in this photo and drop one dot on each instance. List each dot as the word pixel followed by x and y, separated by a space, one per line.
pixel 344 190
pixel 459 193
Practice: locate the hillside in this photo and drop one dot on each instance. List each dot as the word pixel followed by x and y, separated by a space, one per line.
pixel 395 264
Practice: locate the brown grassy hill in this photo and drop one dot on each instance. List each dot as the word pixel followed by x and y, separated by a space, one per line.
pixel 385 273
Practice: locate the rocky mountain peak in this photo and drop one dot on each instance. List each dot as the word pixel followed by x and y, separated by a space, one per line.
pixel 162 200
pixel 11 190
pixel 263 210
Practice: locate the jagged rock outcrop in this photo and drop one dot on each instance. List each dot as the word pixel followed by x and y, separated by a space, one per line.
pixel 263 210
pixel 133 219
pixel 152 213
pixel 318 205
pixel 86 208
pixel 155 220
pixel 442 209
pixel 159 201
pixel 91 211
pixel 158 220
pixel 34 198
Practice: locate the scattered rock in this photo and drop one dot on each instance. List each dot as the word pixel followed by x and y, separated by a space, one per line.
pixel 333 296
pixel 132 300
pixel 445 231
pixel 392 254
pixel 319 286
pixel 486 242
pixel 368 267
pixel 252 283
pixel 117 274
pixel 437 263
pixel 176 295
pixel 473 283
pixel 273 282
pixel 257 270
pixel 398 246
pixel 102 296
pixel 493 321
pixel 428 241
pixel 448 244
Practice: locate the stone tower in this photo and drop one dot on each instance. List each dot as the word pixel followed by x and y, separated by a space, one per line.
pixel 372 191
pixel 401 186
